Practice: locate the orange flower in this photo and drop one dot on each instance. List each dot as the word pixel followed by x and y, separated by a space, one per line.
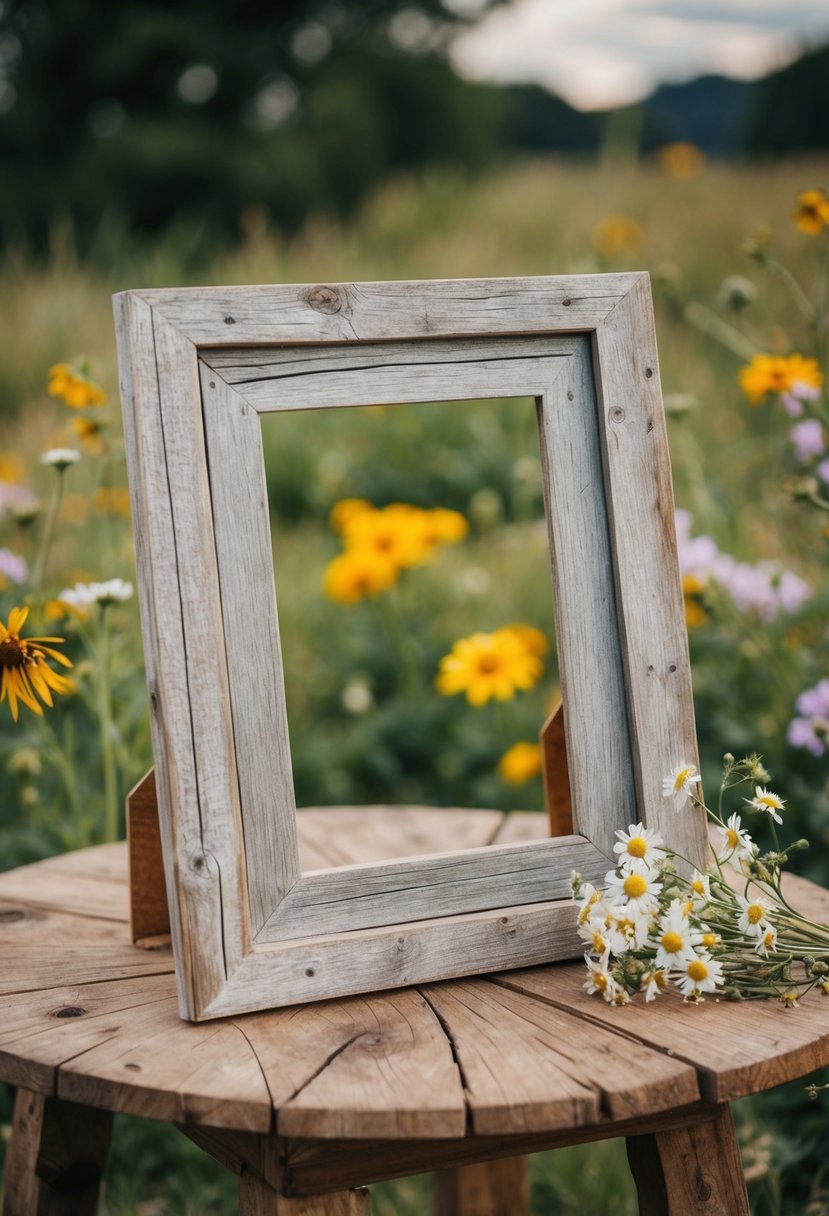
pixel 681 160
pixel 74 388
pixel 617 234
pixel 779 374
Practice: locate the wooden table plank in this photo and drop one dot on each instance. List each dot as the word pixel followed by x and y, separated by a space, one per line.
pixel 379 833
pixel 528 1068
pixel 737 1048
pixel 519 826
pixel 44 885
pixel 52 963
pixel 359 1067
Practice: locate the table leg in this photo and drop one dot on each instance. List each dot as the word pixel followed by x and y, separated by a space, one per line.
pixel 256 1198
pixel 491 1188
pixel 690 1171
pixel 55 1157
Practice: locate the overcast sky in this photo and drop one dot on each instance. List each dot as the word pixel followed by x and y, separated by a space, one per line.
pixel 598 53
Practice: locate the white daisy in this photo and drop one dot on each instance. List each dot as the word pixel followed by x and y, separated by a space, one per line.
pixel 736 841
pixel 639 846
pixel 767 943
pixel 765 800
pixel 752 920
pixel 677 785
pixel 598 977
pixel 654 982
pixel 639 891
pixel 84 595
pixel 700 974
pixel 60 458
pixel 676 938
pixel 700 890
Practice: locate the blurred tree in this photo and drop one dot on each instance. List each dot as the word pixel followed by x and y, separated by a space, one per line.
pixel 143 115
pixel 790 108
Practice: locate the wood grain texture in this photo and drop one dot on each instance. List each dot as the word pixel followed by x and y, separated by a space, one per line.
pixel 446 884
pixel 555 773
pixel 397 956
pixel 195 920
pixel 587 628
pixel 401 373
pixel 348 834
pixel 491 1188
pixel 314 1166
pixel 55 1157
pixel 737 1049
pixel 241 520
pixel 690 1171
pixel 646 571
pixel 348 312
pixel 525 1070
pixel 149 914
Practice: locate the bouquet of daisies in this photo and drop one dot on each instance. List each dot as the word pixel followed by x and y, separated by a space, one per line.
pixel 728 931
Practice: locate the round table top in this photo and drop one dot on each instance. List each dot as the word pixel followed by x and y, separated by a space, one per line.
pixel 88 1016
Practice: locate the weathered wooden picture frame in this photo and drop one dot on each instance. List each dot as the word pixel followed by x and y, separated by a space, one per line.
pixel 198 367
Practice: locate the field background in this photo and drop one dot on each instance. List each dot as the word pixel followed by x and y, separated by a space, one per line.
pixel 402 742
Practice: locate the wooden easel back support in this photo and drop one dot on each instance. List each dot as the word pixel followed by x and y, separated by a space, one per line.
pixel 149 914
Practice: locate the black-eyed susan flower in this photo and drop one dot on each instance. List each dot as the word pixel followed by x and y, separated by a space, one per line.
pixel 520 763
pixel 345 510
pixel 811 214
pixel 394 532
pixel 25 673
pixel 617 234
pixel 74 387
pixel 90 433
pixel 489 666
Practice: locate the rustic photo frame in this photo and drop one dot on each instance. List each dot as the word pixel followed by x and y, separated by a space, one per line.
pixel 198 367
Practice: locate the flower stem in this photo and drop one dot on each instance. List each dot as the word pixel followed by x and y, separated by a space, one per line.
pixel 111 832
pixel 42 559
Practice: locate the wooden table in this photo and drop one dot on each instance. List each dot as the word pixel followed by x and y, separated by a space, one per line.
pixel 307 1104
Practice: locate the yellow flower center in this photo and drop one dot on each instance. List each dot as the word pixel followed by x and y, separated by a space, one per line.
pixel 697 970
pixel 637 846
pixel 672 942
pixel 755 913
pixel 769 800
pixel 699 886
pixel 768 939
pixel 600 981
pixel 709 939
pixel 487 663
pixel 599 943
pixel 634 886
pixel 681 777
pixel 732 837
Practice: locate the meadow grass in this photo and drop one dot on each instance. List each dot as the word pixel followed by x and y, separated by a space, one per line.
pixel 729 463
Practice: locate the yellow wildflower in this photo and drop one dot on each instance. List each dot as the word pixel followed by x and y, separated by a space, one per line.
pixel 345 510
pixel 812 212
pixel 778 374
pixel 358 573
pixel 90 431
pixel 617 234
pixel 487 665
pixel 393 532
pixel 11 468
pixel 520 763
pixel 533 638
pixel 74 387
pixel 693 588
pixel 681 159
pixel 24 673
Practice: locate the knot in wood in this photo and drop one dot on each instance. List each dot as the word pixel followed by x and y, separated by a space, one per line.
pixel 70 1011
pixel 617 414
pixel 324 299
pixel 9 916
